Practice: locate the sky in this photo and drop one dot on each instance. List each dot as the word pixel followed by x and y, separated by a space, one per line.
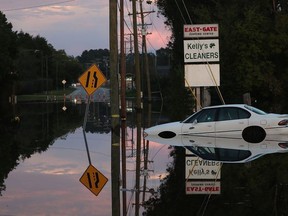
pixel 78 25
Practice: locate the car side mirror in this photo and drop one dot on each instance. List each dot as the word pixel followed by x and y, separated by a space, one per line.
pixel 195 121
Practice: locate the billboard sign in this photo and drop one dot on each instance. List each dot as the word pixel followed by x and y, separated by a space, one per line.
pixel 197 168
pixel 206 50
pixel 201 31
pixel 203 187
pixel 198 75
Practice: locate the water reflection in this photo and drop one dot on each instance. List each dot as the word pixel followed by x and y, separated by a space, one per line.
pixel 227 150
pixel 98 118
pixel 48 182
pixel 33 127
pixel 43 156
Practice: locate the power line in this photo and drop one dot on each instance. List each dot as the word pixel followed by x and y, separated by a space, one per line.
pixel 180 12
pixel 127 8
pixel 37 6
pixel 157 31
pixel 151 45
pixel 187 11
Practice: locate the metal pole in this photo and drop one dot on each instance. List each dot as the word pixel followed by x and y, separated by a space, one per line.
pixel 114 97
pixel 84 128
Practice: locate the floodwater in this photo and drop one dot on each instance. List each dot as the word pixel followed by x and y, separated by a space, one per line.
pixel 43 156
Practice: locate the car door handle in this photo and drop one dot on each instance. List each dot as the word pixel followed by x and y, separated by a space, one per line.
pixel 191 128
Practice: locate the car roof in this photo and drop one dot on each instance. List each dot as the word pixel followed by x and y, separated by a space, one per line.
pixel 226 105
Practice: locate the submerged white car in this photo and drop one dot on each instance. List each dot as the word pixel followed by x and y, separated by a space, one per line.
pixel 227 121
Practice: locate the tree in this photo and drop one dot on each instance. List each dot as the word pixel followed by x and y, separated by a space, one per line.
pixel 253 44
pixel 253 57
pixel 7 47
pixel 99 57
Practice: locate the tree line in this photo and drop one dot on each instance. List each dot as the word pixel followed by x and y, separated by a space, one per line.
pixel 30 64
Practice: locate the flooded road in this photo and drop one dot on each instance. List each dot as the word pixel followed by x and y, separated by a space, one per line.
pixel 43 157
pixel 47 183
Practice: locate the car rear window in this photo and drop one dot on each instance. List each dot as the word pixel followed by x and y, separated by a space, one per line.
pixel 255 110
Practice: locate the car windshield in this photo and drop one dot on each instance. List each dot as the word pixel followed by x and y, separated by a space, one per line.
pixel 255 110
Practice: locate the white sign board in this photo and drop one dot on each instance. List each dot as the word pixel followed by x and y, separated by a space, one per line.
pixel 197 168
pixel 201 31
pixel 201 187
pixel 202 75
pixel 206 50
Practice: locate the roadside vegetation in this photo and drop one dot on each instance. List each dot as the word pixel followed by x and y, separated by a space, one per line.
pixel 51 95
pixel 253 40
pixel 253 59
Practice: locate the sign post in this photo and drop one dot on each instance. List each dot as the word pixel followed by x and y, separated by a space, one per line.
pixel 91 80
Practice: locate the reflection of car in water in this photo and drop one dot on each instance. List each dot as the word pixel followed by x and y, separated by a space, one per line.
pixel 229 150
pixel 230 121
pixel 226 150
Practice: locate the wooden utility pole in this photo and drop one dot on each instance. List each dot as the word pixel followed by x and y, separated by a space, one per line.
pixel 144 51
pixel 146 69
pixel 123 107
pixel 114 97
pixel 138 109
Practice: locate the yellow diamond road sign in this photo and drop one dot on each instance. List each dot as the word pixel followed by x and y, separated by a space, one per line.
pixel 92 79
pixel 93 180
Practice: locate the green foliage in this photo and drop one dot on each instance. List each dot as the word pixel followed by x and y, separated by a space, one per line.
pixel 253 58
pixel 257 188
pixel 97 56
pixel 253 45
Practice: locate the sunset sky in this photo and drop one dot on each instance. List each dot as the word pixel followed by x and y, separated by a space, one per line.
pixel 78 25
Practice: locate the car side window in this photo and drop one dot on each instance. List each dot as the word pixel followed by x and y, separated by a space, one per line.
pixel 208 115
pixel 232 113
pixel 243 114
pixel 192 118
pixel 205 115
